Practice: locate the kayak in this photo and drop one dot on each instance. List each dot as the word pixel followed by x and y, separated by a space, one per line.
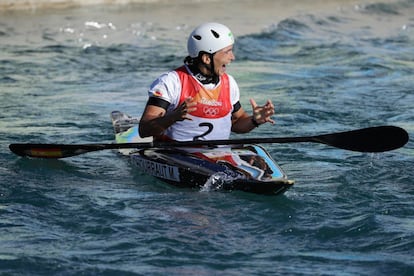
pixel 247 168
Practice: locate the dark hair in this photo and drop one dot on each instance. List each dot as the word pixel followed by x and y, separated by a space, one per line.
pixel 190 60
pixel 195 60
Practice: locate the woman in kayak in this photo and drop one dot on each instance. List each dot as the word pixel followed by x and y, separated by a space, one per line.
pixel 199 101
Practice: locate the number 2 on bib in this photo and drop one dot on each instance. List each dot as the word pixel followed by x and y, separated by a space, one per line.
pixel 209 130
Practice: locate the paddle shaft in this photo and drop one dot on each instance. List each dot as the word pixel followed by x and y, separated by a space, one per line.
pixel 373 139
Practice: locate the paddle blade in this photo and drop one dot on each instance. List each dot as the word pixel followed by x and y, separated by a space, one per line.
pixel 52 151
pixel 372 139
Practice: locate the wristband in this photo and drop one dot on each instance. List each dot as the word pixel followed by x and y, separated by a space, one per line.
pixel 255 123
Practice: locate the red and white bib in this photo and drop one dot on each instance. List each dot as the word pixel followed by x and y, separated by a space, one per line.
pixel 212 118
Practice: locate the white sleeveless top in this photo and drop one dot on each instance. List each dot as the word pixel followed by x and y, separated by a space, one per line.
pixel 212 119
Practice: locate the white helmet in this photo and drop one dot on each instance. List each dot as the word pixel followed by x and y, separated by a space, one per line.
pixel 210 38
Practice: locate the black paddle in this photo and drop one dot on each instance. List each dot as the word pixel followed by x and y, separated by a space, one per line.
pixel 372 139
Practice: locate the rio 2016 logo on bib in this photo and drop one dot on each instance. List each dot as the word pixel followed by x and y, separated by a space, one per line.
pixel 210 111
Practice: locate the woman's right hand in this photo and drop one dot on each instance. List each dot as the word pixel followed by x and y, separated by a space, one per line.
pixel 188 106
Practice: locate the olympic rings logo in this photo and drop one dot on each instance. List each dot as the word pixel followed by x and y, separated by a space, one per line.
pixel 211 111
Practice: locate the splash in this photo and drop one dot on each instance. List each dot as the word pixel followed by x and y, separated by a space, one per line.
pixel 219 181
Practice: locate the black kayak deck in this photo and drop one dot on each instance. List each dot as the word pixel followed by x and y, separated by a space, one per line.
pixel 246 168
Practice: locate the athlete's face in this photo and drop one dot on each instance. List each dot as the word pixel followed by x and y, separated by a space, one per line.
pixel 223 58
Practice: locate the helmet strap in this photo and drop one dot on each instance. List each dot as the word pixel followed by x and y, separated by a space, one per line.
pixel 212 77
pixel 212 71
